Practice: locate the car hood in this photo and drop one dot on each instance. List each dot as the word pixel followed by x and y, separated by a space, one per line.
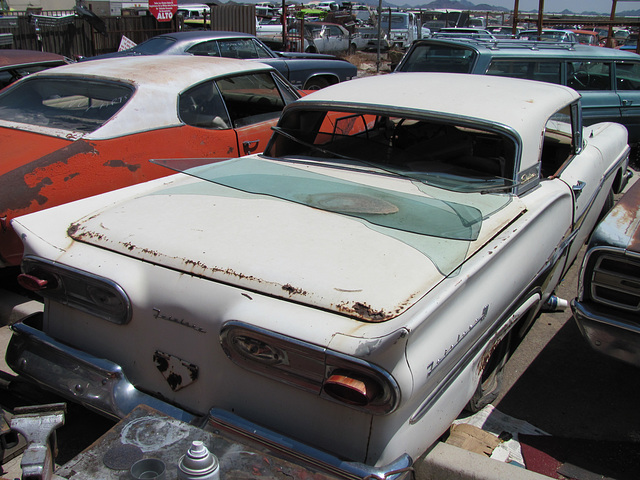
pixel 367 246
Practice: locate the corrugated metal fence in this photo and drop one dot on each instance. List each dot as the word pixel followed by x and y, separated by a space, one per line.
pixel 67 33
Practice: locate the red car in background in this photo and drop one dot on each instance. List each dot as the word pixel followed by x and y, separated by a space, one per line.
pixel 588 37
pixel 88 128
pixel 15 64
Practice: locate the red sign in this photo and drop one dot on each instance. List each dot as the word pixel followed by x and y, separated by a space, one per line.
pixel 163 10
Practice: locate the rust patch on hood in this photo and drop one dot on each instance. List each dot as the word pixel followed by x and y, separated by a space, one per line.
pixel 626 216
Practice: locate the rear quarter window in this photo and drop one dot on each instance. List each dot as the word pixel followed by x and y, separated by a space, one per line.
pixel 439 58
pixel 542 71
pixel 76 104
pixel 627 76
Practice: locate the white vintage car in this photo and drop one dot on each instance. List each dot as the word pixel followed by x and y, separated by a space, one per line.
pixel 353 288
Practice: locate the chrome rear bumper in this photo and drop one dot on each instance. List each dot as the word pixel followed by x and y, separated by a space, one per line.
pixel 101 386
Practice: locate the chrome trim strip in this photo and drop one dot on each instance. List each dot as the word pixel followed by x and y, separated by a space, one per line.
pixel 96 383
pixel 583 312
pixel 399 469
pixel 498 329
pixel 610 336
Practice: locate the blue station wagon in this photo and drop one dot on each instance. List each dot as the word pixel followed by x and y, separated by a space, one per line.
pixel 607 79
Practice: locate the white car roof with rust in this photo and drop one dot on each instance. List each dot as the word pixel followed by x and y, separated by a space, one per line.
pixel 158 80
pixel 524 106
pixel 174 71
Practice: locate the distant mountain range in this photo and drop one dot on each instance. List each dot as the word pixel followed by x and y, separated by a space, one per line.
pixel 453 4
pixel 465 5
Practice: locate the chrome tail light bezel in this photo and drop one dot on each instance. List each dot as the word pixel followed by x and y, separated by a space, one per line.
pixel 306 366
pixel 79 289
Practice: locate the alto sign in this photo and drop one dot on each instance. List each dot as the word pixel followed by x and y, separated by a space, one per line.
pixel 163 10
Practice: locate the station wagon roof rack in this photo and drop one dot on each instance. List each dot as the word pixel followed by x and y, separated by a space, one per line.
pixel 496 44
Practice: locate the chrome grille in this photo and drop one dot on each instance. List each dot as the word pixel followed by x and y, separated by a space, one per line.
pixel 615 281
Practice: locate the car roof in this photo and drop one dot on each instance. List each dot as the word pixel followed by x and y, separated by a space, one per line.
pixel 158 81
pixel 177 71
pixel 479 97
pixel 10 57
pixel 514 48
pixel 190 35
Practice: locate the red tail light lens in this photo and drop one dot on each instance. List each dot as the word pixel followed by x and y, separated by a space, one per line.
pixel 352 388
pixel 32 283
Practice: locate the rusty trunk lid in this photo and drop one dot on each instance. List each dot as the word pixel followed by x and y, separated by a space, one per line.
pixel 369 251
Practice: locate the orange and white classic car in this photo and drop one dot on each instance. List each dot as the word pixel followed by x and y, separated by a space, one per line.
pixel 88 128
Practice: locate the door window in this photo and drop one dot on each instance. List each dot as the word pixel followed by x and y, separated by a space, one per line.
pixel 627 76
pixel 251 98
pixel 589 75
pixel 234 102
pixel 546 71
pixel 205 49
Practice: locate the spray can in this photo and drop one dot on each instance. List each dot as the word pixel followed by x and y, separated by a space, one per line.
pixel 198 464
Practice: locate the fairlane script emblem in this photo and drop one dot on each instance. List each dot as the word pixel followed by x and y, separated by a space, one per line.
pixel 433 365
pixel 179 321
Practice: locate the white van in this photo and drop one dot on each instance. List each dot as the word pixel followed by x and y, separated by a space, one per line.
pixel 401 28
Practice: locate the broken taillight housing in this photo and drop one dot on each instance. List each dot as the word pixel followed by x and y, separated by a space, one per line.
pixel 90 293
pixel 332 375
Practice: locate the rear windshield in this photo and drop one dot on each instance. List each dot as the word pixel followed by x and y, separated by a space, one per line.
pixel 75 104
pixel 154 46
pixel 439 58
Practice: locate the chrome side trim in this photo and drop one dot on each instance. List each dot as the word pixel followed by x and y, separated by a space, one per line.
pixel 96 383
pixel 399 469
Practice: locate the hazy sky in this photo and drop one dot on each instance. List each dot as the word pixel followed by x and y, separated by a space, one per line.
pixel 577 6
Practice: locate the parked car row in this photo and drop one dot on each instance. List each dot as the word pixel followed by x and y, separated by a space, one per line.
pixel 15 64
pixel 607 79
pixel 324 270
pixel 308 71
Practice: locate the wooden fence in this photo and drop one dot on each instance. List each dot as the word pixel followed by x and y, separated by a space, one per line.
pixel 67 33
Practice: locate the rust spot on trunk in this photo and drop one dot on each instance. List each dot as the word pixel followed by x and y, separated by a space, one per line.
pixel 292 290
pixel 16 193
pixel 121 164
pixel 364 311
